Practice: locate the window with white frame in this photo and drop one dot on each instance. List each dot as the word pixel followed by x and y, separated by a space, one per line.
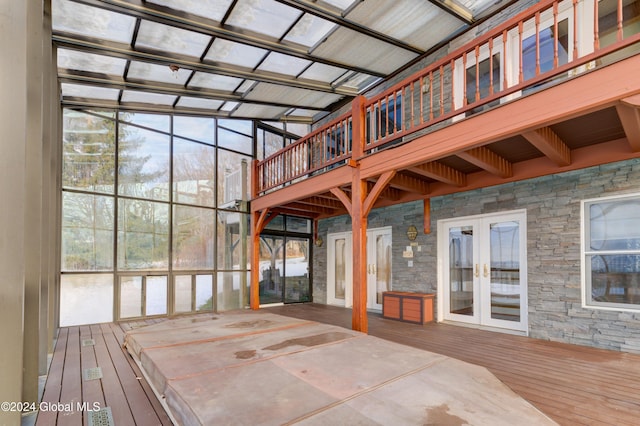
pixel 611 252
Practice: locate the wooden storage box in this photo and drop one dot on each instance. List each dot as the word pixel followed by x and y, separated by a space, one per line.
pixel 409 307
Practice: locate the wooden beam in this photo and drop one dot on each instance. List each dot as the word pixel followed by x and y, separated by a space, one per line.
pixel 488 160
pixel 387 192
pixel 409 184
pixel 344 198
pixel 629 115
pixel 441 173
pixel 427 215
pixel 550 144
pixel 377 189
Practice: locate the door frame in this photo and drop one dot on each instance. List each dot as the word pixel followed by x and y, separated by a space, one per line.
pixel 480 318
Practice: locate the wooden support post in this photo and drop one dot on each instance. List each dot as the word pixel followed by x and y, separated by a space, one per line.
pixel 427 215
pixel 254 290
pixel 359 232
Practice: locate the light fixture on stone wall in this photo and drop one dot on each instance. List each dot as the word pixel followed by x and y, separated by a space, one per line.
pixel 319 241
pixel 412 233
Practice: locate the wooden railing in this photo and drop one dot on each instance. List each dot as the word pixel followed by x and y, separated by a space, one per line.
pixel 548 43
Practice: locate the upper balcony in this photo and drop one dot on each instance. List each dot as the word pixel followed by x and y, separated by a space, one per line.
pixel 554 88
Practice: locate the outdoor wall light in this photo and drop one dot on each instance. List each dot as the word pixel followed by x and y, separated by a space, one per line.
pixel 319 241
pixel 412 233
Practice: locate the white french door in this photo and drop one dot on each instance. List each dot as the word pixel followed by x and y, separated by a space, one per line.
pixel 483 270
pixel 340 267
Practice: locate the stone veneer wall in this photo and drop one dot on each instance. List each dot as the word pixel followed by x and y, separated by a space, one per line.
pixel 553 215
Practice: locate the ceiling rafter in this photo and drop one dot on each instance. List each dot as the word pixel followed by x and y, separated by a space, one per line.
pixel 164 15
pixel 323 202
pixel 330 16
pixel 455 9
pixel 124 51
pixel 550 144
pixel 441 173
pixel 629 115
pixel 74 77
pixel 407 183
pixel 310 208
pixel 488 160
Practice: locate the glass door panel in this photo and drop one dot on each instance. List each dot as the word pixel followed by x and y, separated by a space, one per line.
pixel 461 263
pixel 297 270
pixel 271 269
pixel 505 271
pixel 339 266
pixel 379 266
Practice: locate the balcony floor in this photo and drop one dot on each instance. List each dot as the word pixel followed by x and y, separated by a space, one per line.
pixel 570 384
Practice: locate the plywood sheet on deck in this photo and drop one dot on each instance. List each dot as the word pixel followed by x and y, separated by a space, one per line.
pixel 261 368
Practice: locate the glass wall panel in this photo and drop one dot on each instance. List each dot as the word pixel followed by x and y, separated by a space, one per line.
pixel 87 232
pixel 233 241
pixel 143 235
pixel 235 141
pixel 143 163
pixel 204 292
pixel 229 284
pixel 241 126
pixel 197 128
pixel 156 295
pixel 234 176
pixel 194 173
pixel 182 294
pixel 298 224
pixel 193 237
pixel 130 297
pixel 88 150
pixel 159 122
pixel 86 299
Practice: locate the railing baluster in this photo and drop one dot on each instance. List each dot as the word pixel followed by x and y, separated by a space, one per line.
pixel 596 26
pixel 490 66
pixel 575 30
pixel 505 59
pixel 555 35
pixel 537 73
pixel 620 19
pixel 477 97
pixel 521 66
pixel 431 96
pixel 464 79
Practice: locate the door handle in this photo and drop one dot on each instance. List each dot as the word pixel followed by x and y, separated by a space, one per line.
pixel 486 271
pixel 477 273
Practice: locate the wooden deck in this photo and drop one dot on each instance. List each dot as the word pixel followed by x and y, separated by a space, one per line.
pixel 122 388
pixel 573 385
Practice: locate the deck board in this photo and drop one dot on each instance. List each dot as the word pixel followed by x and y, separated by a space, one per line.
pixel 571 384
pixel 122 387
